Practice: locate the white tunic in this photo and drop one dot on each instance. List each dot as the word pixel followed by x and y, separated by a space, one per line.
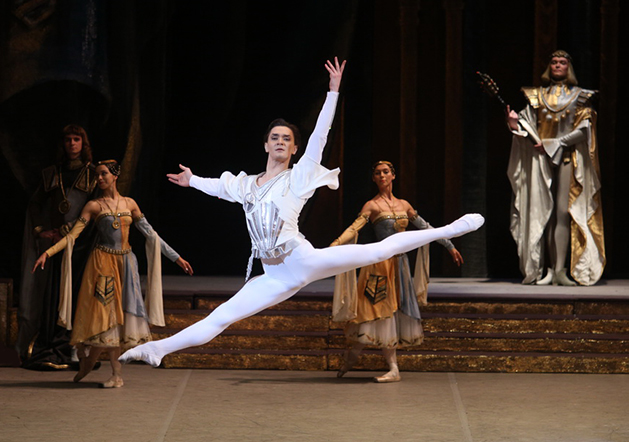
pixel 272 210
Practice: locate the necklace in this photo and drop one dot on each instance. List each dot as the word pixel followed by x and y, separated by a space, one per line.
pixel 116 223
pixel 64 205
pixel 396 225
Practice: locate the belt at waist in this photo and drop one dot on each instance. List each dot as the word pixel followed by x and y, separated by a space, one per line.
pixel 112 251
pixel 275 252
pixel 280 250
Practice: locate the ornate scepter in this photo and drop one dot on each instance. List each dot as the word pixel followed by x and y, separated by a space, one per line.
pixel 491 88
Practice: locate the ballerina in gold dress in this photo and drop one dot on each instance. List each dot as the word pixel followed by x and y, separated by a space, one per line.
pixel 111 314
pixel 382 307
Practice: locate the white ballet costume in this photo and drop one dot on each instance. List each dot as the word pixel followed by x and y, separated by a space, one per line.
pixel 289 261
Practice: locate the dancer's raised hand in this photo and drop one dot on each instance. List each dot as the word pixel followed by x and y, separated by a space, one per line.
pixel 336 73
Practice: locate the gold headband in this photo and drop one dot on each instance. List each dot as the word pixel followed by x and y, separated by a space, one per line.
pixel 386 163
pixel 560 53
pixel 112 165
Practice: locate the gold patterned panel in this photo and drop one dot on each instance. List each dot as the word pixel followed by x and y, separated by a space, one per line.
pixel 105 289
pixel 376 289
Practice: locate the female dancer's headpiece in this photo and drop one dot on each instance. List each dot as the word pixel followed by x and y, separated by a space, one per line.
pixel 387 163
pixel 112 165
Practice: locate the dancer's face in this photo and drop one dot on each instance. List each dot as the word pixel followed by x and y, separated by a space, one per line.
pixel 105 178
pixel 281 144
pixel 383 176
pixel 73 145
pixel 559 68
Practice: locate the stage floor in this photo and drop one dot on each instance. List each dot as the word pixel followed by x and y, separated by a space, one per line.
pixel 158 405
pixel 617 289
pixel 189 405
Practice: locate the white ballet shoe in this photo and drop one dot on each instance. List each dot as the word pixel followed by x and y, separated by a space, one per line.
pixel 550 275
pixel 392 376
pixel 113 382
pixel 561 278
pixel 144 352
pixel 467 223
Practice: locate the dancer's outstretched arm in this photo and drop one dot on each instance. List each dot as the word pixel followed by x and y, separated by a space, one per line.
pixel 226 187
pixel 319 137
pixel 181 179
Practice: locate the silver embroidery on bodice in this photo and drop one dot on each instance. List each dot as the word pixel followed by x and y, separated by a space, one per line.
pixel 264 222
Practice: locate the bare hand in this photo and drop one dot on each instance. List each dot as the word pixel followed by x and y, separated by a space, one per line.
pixel 512 118
pixel 185 265
pixel 540 148
pixel 181 179
pixel 40 262
pixel 336 73
pixel 456 256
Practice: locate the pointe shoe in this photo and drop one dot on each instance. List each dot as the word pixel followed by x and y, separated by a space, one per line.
pixel 546 280
pixel 467 223
pixel 112 383
pixel 389 377
pixel 561 278
pixel 143 353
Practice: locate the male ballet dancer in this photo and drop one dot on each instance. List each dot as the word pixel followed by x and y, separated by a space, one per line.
pixel 272 202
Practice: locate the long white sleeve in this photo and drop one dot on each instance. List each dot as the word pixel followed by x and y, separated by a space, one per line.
pixel 228 187
pixel 319 137
pixel 205 185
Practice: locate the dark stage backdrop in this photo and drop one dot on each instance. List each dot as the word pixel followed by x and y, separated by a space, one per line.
pixel 158 83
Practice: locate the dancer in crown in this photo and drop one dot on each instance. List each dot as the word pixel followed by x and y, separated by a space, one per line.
pixel 556 211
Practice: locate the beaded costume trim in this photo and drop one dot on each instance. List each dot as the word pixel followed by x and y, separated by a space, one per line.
pixel 112 251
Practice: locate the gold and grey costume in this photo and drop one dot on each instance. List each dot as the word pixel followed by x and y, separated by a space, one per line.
pixel 562 118
pixel 381 307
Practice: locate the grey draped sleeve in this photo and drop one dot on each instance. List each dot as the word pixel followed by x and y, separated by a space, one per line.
pixel 147 230
pixel 422 224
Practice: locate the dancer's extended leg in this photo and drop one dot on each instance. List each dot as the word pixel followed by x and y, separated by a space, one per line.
pixel 257 295
pixel 283 279
pixel 323 263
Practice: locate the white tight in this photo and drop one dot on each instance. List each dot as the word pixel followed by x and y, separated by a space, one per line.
pixel 558 237
pixel 285 276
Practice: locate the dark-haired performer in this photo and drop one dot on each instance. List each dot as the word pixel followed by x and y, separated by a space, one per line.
pixel 556 180
pixel 111 314
pixel 65 187
pixel 272 202
pixel 382 307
